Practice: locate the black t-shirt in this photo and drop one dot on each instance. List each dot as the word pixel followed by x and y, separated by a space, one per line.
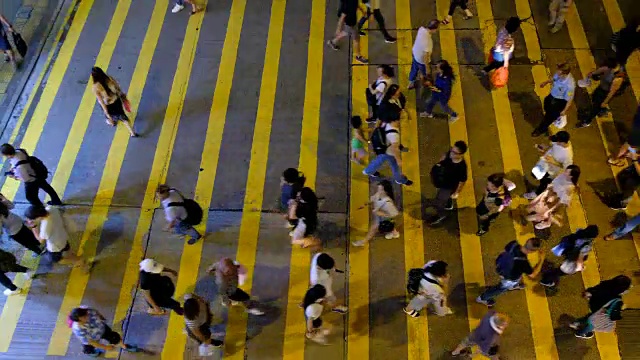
pixel 455 173
pixel 521 265
pixel 158 285
pixel 350 9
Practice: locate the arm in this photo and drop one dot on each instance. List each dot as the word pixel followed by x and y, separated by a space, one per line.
pixel 566 108
pixel 99 345
pixel 546 83
pixel 102 104
pixel 615 85
pixel 538 267
pixel 198 334
pixel 6 23
pixel 310 329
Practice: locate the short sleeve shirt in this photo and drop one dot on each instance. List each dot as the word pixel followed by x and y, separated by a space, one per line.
pixel 53 231
pixel 422 45
pixel 455 172
pixel 200 319
pixel 563 88
pixel 172 213
pixel 320 276
pixel 391 137
pixel 313 311
pixel 24 172
pixel 92 330
pixel 562 155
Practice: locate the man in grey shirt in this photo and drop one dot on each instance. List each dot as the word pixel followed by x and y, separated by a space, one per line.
pixel 22 170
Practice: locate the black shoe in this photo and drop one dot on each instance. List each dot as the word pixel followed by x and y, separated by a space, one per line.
pixel 481 232
pixel 583 124
pixel 370 120
pixel 333 45
pixel 54 203
pixel 548 284
pixel 362 33
pixel 390 40
pixel 438 220
pixel 406 183
pixel 194 240
pixel 362 59
pixel 588 335
pixel 449 205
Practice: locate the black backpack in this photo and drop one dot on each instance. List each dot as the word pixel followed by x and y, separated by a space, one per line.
pixel 194 211
pixel 40 170
pixel 8 261
pixel 379 139
pixel 371 97
pixel 413 280
pixel 507 259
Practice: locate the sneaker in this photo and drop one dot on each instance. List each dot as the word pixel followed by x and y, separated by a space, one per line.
pixel 548 284
pixel 370 120
pixel 29 275
pixel 575 325
pixel 392 235
pixel 177 8
pixel 426 114
pixel 132 348
pixel 375 174
pixel 453 119
pixel 620 207
pixel 411 313
pixel 359 243
pixel 556 28
pixel 449 205
pixel 255 311
pixel 437 221
pixel 8 292
pixel 362 59
pixel 481 232
pixel 193 240
pixel 519 286
pixel 583 124
pixel 488 303
pixel 333 45
pixel 588 335
pixel 530 195
pixel 340 309
pixel 406 183
pixel 390 40
pixel 362 33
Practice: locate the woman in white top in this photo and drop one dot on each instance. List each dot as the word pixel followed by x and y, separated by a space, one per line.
pixel 564 185
pixel 322 270
pixel 432 290
pixel 502 51
pixel 557 157
pixel 375 92
pixel 312 305
pixel 13 225
pixel 384 210
pixel 48 227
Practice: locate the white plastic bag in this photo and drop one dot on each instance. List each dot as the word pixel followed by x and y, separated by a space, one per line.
pixel 540 169
pixel 584 83
pixel 205 350
pixel 560 122
pixel 242 273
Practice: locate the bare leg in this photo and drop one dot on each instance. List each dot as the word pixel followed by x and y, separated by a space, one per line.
pixel 127 124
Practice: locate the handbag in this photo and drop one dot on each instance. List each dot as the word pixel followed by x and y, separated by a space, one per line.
pixel 500 77
pixel 126 104
pixel 601 319
pixel 386 226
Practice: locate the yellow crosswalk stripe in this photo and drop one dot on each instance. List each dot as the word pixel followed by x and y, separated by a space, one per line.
pixel 190 260
pixel 160 166
pixel 417 328
pixel 78 280
pixel 294 332
pixel 13 306
pixel 539 315
pixel 254 193
pixel 471 249
pixel 358 289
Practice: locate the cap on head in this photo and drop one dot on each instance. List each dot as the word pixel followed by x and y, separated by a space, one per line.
pixel 151 266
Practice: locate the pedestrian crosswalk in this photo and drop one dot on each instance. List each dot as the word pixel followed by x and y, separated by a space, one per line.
pixel 228 98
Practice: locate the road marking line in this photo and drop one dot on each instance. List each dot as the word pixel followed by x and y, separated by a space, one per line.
pixel 14 305
pixel 161 160
pixel 538 308
pixel 417 328
pixel 190 261
pixel 78 280
pixel 254 194
pixel 358 266
pixel 470 245
pixel 294 333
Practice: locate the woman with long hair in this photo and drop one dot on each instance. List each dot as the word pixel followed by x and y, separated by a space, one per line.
pixel 111 99
pixel 228 282
pixel 565 184
pixel 304 214
pixel 574 249
pixel 384 210
pixel 313 307
pixel 13 225
pixel 441 91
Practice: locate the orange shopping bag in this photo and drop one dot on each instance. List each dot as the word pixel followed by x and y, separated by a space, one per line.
pixel 500 77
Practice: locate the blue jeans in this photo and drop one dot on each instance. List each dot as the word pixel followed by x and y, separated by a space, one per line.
pixel 444 103
pixel 415 68
pixel 377 163
pixel 182 228
pixel 494 291
pixel 627 227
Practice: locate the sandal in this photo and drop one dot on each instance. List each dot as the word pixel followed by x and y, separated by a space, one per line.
pixel 111 122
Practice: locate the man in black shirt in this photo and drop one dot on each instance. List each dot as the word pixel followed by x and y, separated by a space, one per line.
pixel 157 288
pixel 511 265
pixel 347 25
pixel 449 176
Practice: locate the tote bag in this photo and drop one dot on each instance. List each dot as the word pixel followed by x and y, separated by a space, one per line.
pixel 500 77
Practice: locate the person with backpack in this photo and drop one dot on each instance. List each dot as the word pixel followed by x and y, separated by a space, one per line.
pixel 5 46
pixel 9 263
pixel 32 172
pixel 497 197
pixel 612 78
pixel 377 90
pixel 429 289
pixel 323 266
pixel 448 176
pixel 511 264
pixel 158 289
pixel 303 212
pixel 375 4
pixel 313 308
pixel 574 249
pixel 605 306
pixel 91 328
pixel 385 140
pixel 384 210
pixel 13 225
pixel 291 182
pixel 486 336
pixel 181 214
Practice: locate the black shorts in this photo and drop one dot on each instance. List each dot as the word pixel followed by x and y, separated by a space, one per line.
pixel 57 256
pixel 109 335
pixel 116 111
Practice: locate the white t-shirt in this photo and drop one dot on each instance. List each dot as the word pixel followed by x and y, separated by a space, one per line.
pixel 313 311
pixel 563 186
pixel 382 84
pixel 423 44
pixel 384 204
pixel 174 212
pixel 391 137
pixel 53 231
pixel 12 223
pixel 432 291
pixel 320 276
pixel 562 155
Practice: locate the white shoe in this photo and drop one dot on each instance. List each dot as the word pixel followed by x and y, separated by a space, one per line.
pixel 177 8
pixel 29 275
pixel 392 235
pixel 255 311
pixel 289 225
pixel 8 292
pixel 530 195
pixel 359 243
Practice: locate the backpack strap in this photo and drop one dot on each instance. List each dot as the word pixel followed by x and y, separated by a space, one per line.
pixel 175 203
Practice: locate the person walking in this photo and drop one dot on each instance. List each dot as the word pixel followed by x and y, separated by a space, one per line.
pixel 448 176
pixel 47 225
pixel 462 4
pixel 605 305
pixel 347 26
pixel 5 45
pixel 375 5
pixel 441 91
pixel 422 50
pixel 13 225
pixel 226 272
pixel 432 290
pixel 511 264
pixel 503 49
pixel 313 308
pixel 9 264
pixel 179 5
pixel 359 142
pixel 111 99
pixel 31 172
pixel 291 182
pixel 557 11
pixel 385 141
pixel 197 320
pixel 176 212
pixel 90 327
pixel 574 249
pixel 303 214
pixel 497 197
pixel 559 100
pixel 157 288
pixel 486 336
pixel 557 157
pixel 623 230
pixel 384 210
pixel 323 266
pixel 611 77
pixel 376 91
